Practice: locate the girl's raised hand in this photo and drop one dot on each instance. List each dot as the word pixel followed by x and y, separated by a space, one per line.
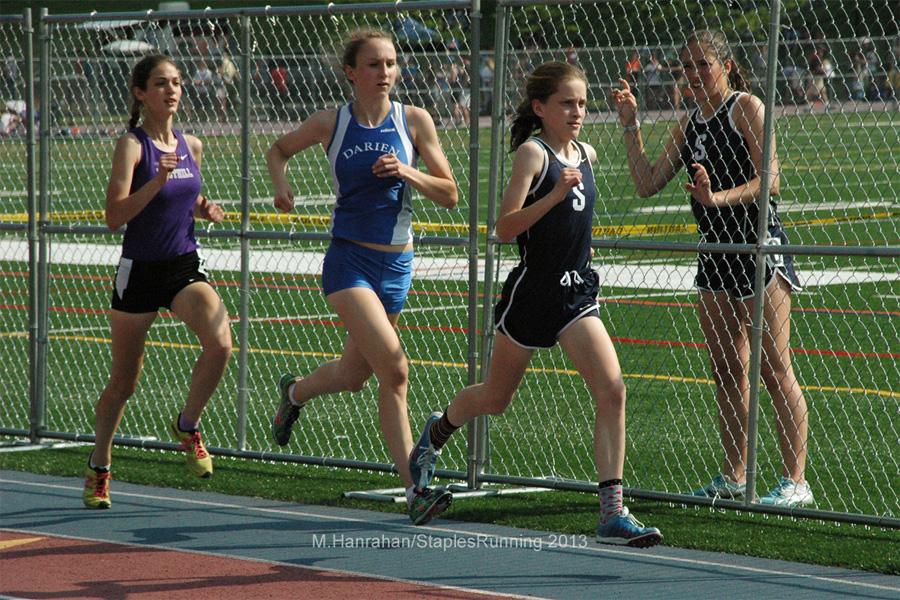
pixel 626 103
pixel 211 211
pixel 569 177
pixel 701 187
pixel 284 199
pixel 388 165
pixel 167 164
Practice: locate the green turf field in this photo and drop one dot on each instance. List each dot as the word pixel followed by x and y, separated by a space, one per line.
pixel 840 188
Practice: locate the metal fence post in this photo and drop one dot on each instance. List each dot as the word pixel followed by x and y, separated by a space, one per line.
pixel 475 109
pixel 31 172
pixel 473 430
pixel 479 436
pixel 244 308
pixel 39 408
pixel 757 325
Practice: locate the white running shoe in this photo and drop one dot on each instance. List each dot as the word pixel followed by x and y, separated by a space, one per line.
pixel 721 486
pixel 788 493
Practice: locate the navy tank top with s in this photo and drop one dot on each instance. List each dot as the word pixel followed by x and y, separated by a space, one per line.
pixel 561 239
pixel 718 145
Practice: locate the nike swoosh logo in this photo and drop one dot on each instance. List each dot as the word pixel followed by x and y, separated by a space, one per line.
pixel 182 157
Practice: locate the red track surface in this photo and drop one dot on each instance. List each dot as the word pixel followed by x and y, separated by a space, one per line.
pixel 33 566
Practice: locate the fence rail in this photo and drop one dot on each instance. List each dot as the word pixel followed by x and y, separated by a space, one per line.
pixel 838 201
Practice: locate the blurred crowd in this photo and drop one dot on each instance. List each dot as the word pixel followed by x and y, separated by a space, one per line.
pixel 814 73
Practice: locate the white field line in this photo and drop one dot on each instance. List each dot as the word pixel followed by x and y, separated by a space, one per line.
pixel 672 277
pixel 791 207
pixel 650 295
pixel 176 323
pixel 313 200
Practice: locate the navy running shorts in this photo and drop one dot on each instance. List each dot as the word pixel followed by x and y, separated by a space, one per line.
pixel 535 308
pixel 735 273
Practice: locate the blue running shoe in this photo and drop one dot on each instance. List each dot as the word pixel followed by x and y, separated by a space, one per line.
pixel 429 503
pixel 625 530
pixel 423 458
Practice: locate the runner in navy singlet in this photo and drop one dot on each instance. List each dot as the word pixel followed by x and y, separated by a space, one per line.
pixel 551 295
pixel 720 145
pixel 372 144
pixel 154 188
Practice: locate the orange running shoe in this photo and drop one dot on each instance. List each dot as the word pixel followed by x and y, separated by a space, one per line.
pixel 198 459
pixel 96 488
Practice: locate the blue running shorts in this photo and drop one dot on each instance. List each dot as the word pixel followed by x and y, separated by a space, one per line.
pixel 388 274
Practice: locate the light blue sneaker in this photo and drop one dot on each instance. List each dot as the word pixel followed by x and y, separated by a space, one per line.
pixel 788 493
pixel 423 458
pixel 721 486
pixel 625 530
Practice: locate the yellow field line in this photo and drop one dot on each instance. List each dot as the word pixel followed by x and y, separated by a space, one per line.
pixel 235 217
pixel 844 219
pixel 461 229
pixel 458 365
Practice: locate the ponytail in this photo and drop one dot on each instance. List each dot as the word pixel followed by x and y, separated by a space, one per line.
pixel 737 80
pixel 135 112
pixel 523 125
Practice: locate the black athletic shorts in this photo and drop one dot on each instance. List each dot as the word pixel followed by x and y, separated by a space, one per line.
pixel 735 273
pixel 535 308
pixel 145 286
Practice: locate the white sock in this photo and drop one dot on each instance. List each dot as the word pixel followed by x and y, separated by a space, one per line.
pixel 410 494
pixel 291 395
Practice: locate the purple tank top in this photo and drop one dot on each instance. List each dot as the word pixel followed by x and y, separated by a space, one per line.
pixel 165 228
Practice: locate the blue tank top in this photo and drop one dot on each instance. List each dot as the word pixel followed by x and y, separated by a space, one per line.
pixel 164 229
pixel 561 239
pixel 369 208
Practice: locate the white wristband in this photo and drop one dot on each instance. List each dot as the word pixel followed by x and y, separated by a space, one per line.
pixel 632 128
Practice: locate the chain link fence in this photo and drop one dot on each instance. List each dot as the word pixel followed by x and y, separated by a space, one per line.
pixel 250 75
pixel 16 179
pixel 838 203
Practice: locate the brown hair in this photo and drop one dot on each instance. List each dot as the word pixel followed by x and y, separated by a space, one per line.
pixel 540 85
pixel 716 42
pixel 140 74
pixel 358 39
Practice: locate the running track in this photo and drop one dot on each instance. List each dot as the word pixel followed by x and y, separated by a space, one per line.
pixel 160 543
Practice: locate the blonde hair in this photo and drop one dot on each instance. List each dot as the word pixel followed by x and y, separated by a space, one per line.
pixel 358 39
